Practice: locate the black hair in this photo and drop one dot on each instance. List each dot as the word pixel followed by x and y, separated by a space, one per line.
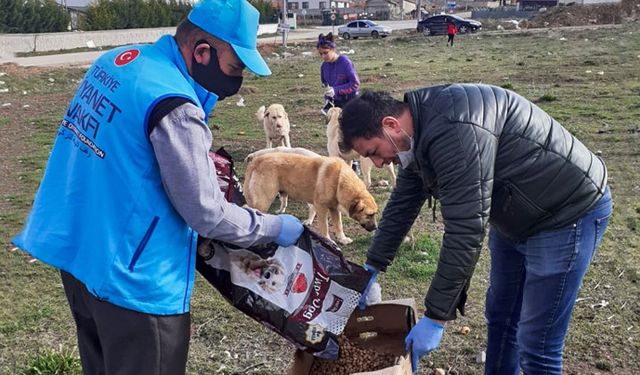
pixel 326 41
pixel 330 37
pixel 362 116
pixel 184 30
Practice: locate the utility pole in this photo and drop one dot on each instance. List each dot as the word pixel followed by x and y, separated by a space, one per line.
pixel 333 17
pixel 283 24
pixel 419 10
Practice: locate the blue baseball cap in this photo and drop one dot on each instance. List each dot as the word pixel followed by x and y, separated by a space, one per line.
pixel 235 22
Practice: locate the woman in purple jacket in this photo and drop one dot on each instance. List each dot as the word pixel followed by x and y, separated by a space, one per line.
pixel 337 74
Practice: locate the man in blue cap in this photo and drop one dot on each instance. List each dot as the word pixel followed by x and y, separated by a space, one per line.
pixel 129 186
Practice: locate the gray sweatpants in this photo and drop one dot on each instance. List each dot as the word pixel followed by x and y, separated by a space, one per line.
pixel 114 340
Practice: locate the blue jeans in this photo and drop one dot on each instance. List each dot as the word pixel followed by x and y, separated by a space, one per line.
pixel 533 287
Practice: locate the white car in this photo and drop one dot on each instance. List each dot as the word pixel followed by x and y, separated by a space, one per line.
pixel 358 28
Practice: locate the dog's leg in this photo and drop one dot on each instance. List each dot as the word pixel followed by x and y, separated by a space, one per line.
pixel 287 141
pixel 258 192
pixel 392 171
pixel 284 201
pixel 323 220
pixel 336 218
pixel 312 215
pixel 269 142
pixel 366 165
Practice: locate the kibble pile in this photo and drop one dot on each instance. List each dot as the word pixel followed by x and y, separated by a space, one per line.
pixel 352 359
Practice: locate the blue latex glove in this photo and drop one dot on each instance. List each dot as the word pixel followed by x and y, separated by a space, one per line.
pixel 374 276
pixel 290 230
pixel 423 338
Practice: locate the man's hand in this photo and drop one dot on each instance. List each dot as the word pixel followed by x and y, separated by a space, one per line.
pixel 290 230
pixel 329 91
pixel 424 337
pixel 374 276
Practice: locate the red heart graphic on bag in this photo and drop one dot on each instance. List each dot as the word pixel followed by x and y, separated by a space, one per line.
pixel 300 285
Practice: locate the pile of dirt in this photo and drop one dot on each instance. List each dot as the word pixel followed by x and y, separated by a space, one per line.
pixel 577 15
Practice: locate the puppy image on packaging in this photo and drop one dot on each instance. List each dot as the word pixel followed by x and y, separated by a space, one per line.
pixel 247 267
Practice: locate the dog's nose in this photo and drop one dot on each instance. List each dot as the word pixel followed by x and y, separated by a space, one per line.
pixel 266 275
pixel 369 226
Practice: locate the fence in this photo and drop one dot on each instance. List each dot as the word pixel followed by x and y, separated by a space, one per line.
pixel 10 44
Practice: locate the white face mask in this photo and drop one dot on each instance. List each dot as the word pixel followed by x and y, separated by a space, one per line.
pixel 404 157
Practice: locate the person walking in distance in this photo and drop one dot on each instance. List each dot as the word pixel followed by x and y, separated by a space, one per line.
pixel 452 30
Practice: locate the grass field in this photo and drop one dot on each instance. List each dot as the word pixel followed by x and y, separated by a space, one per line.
pixel 587 79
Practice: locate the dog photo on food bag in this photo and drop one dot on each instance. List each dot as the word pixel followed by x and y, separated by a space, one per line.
pixel 275 121
pixel 247 268
pixel 283 278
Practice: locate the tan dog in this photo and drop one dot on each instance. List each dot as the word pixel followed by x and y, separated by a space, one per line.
pixel 275 122
pixel 287 150
pixel 334 137
pixel 284 199
pixel 327 183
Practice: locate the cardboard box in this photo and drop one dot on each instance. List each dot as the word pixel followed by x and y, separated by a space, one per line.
pixel 381 327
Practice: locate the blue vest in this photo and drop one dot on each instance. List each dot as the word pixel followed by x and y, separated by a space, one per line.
pixel 101 212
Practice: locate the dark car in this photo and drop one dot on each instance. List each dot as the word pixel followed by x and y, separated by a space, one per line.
pixel 438 24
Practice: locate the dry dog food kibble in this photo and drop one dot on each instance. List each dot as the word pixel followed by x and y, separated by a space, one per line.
pixel 352 359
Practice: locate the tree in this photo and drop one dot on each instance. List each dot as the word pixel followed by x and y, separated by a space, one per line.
pixel 32 16
pixel 265 8
pixel 126 14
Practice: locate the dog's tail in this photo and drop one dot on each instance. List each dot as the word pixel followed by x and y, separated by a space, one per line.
pixel 260 114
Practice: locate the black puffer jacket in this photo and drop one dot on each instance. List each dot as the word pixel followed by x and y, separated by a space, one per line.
pixel 487 154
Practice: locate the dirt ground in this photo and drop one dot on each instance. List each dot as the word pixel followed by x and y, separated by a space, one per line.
pixel 574 15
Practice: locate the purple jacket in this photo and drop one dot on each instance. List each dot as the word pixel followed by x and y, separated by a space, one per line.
pixel 342 76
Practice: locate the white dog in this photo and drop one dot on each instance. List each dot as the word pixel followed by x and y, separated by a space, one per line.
pixel 334 137
pixel 248 268
pixel 275 122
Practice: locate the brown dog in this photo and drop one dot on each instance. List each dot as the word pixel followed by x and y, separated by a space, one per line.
pixel 327 183
pixel 334 137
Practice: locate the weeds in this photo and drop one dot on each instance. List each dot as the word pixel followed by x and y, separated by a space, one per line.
pixel 49 362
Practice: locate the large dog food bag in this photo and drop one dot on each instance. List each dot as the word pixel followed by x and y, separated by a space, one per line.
pixel 305 293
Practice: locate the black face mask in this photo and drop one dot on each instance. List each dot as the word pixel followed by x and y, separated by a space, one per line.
pixel 212 78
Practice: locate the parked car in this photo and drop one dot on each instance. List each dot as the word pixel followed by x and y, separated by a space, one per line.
pixel 438 24
pixel 358 28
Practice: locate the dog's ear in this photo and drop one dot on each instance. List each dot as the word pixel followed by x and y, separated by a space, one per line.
pixel 356 206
